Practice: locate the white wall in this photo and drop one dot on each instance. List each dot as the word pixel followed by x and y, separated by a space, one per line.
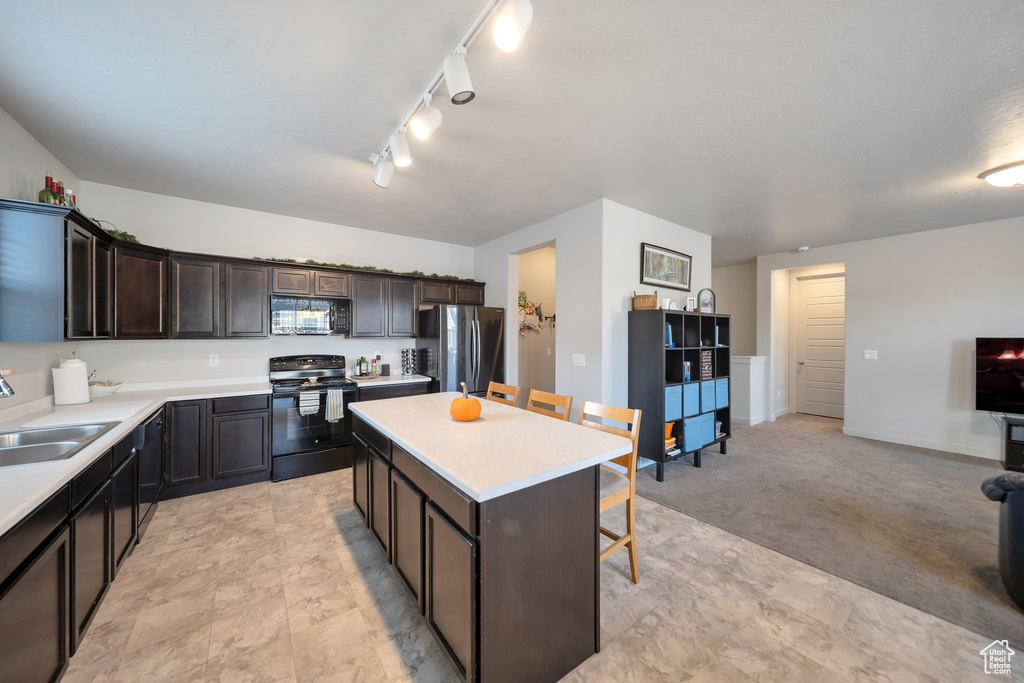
pixel 624 230
pixel 919 300
pixel 24 163
pixel 736 294
pixel 537 271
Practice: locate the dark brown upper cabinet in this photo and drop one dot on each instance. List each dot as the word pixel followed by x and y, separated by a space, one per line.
pixel 140 293
pixel 472 294
pixel 87 280
pixel 437 292
pixel 331 285
pixel 246 306
pixel 195 298
pixel 369 306
pixel 293 281
pixel 403 308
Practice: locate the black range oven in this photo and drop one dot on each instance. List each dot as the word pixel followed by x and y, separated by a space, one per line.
pixel 305 440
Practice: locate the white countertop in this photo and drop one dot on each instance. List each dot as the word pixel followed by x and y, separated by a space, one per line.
pixel 505 450
pixel 389 381
pixel 24 487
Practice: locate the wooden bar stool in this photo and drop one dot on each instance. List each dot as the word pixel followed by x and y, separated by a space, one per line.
pixel 503 393
pixel 617 487
pixel 547 399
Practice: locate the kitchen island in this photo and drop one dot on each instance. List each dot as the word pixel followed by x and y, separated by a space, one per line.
pixel 492 527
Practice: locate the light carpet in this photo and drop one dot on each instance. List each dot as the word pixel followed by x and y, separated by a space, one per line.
pixel 909 523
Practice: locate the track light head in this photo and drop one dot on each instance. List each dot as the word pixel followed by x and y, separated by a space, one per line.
pixel 511 24
pixel 426 121
pixel 383 170
pixel 400 149
pixel 456 77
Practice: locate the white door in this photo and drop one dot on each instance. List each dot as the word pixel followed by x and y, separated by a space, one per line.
pixel 821 346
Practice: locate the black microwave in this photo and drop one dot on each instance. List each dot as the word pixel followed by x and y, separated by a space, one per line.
pixel 302 315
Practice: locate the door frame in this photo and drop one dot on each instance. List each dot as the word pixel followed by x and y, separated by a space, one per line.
pixel 796 276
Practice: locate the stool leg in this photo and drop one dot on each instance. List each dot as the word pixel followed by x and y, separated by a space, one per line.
pixel 634 563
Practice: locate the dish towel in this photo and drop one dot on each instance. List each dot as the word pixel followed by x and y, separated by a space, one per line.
pixel 309 402
pixel 335 405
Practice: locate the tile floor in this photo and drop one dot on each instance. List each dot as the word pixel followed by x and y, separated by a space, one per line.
pixel 281 582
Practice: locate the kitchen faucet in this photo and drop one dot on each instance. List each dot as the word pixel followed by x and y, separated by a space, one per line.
pixel 5 388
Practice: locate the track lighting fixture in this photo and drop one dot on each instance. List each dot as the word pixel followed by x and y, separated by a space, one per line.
pixel 511 25
pixel 456 77
pixel 427 121
pixel 383 171
pixel 399 149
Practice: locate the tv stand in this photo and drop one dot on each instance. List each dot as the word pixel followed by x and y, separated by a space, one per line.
pixel 1013 443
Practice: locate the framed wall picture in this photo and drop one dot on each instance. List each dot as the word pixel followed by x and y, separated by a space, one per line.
pixel 660 267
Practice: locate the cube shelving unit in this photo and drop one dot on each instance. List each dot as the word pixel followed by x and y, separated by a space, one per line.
pixel 658 386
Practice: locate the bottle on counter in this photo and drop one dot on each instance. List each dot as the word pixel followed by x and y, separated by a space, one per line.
pixel 373 367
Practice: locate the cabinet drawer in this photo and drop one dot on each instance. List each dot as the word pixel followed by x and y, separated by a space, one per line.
pixel 238 404
pixel 23 539
pixel 372 437
pixel 461 509
pixel 90 479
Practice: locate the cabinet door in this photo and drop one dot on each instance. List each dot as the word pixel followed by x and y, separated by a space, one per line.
pixel 451 591
pixel 246 300
pixel 407 510
pixel 103 288
pixel 151 459
pixel 361 477
pixel 80 282
pixel 34 625
pixel 333 285
pixel 369 306
pixel 437 292
pixel 90 560
pixel 140 294
pixel 195 298
pixel 241 444
pixel 403 308
pixel 469 294
pixel 187 442
pixel 380 501
pixel 125 493
pixel 293 281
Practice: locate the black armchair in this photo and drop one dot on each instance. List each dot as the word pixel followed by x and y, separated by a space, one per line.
pixel 1008 490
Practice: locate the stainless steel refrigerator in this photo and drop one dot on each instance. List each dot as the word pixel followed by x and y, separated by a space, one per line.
pixel 461 344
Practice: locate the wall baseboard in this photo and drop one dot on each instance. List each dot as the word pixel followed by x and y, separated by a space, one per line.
pixel 924 443
pixel 779 413
pixel 747 421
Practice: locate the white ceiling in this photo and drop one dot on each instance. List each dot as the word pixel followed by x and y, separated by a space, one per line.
pixel 765 124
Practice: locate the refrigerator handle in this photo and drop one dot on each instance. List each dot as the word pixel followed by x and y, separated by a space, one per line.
pixel 476 373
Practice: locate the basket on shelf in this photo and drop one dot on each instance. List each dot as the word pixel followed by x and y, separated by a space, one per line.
pixel 645 302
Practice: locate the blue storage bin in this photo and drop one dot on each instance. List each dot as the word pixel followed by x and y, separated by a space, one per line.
pixel 707 396
pixel 673 403
pixel 691 399
pixel 707 427
pixel 722 393
pixel 692 434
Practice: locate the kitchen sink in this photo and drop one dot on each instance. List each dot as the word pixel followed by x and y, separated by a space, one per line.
pixel 27 446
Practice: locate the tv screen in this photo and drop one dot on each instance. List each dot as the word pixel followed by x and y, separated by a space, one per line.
pixel 999 375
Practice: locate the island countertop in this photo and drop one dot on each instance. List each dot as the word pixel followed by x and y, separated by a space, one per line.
pixel 507 449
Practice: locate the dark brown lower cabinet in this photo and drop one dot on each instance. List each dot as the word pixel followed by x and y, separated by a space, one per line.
pixel 34 625
pixel 361 477
pixel 91 550
pixel 241 444
pixel 380 500
pixel 125 497
pixel 187 443
pixel 451 585
pixel 407 514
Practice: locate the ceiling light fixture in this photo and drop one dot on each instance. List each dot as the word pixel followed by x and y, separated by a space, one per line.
pixel 427 121
pixel 803 250
pixel 511 20
pixel 512 23
pixel 1008 175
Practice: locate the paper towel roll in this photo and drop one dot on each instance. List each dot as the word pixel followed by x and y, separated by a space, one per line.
pixel 70 383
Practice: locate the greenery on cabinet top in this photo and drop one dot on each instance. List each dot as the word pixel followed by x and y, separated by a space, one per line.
pixel 369 269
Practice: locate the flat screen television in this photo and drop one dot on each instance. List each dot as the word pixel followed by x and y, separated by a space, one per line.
pixel 999 374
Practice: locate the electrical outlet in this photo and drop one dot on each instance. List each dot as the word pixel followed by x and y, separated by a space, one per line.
pixel 579 359
pixel 376 354
pixel 870 355
pixel 549 352
pixel 214 360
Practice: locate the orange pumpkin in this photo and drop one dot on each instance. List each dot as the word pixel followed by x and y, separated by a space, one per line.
pixel 466 408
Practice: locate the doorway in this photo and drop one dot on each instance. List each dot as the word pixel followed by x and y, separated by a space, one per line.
pixel 818 333
pixel 536 320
